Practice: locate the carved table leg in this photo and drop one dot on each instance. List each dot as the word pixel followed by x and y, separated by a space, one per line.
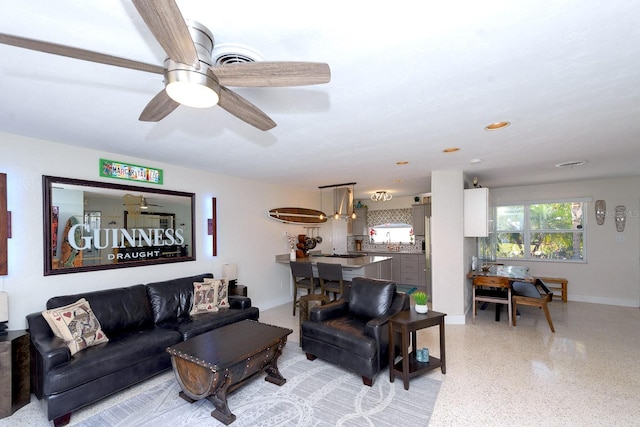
pixel 222 412
pixel 273 374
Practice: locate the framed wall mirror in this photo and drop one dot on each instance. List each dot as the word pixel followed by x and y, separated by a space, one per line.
pixel 91 225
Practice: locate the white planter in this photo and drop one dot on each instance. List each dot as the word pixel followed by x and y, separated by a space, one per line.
pixel 421 308
pixel 292 255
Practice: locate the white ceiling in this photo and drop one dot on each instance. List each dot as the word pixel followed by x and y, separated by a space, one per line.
pixel 408 80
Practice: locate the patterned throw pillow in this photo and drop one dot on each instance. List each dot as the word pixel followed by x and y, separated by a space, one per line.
pixel 76 325
pixel 223 291
pixel 205 298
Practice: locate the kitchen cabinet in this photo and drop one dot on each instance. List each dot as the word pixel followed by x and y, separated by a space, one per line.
pixel 413 270
pixel 478 219
pixel 418 215
pixel 407 268
pixel 359 225
pixel 396 266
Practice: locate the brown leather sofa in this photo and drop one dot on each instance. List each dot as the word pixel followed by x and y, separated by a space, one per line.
pixel 353 332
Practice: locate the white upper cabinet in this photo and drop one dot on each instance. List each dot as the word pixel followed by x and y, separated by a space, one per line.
pixel 478 220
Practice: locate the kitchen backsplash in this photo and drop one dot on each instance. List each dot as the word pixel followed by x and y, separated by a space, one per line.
pixel 384 247
pixel 388 216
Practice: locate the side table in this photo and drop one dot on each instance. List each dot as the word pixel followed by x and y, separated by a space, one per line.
pixel 307 302
pixel 238 290
pixel 405 323
pixel 15 387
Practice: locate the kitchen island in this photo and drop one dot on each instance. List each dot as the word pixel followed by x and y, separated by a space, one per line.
pixel 374 267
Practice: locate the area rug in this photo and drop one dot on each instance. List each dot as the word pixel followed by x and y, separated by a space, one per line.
pixel 316 393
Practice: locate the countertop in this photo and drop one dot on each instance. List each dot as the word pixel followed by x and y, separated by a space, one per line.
pixel 362 261
pixel 391 253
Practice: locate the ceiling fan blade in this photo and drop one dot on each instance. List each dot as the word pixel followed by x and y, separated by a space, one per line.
pixel 168 27
pixel 73 52
pixel 272 74
pixel 158 108
pixel 244 110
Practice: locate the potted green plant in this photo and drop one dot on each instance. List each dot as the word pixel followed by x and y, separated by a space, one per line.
pixel 421 299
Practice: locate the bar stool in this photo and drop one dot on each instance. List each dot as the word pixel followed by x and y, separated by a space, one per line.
pixel 302 273
pixel 331 280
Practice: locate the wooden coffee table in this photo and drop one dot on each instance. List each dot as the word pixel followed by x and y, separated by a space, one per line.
pixel 213 364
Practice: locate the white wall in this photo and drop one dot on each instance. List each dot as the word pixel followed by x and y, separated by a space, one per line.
pixel 449 267
pixel 611 274
pixel 395 203
pixel 246 235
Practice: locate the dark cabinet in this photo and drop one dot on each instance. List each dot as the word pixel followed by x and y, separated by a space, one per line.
pixel 15 387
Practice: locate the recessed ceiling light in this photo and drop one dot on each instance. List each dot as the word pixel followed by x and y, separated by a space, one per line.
pixel 571 164
pixel 474 161
pixel 402 162
pixel 497 125
pixel 451 150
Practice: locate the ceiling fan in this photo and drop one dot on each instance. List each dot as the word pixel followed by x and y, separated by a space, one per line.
pixel 189 76
pixel 135 204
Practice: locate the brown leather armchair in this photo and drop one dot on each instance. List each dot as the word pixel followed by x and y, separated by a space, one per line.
pixel 353 332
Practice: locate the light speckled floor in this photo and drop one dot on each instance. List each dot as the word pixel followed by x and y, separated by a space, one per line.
pixel 586 374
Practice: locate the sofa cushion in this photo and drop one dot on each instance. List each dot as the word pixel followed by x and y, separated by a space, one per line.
pixel 370 298
pixel 345 333
pixel 118 354
pixel 172 299
pixel 189 327
pixel 118 310
pixel 205 298
pixel 76 325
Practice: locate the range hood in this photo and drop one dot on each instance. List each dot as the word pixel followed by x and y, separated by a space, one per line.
pixel 342 200
pixel 342 203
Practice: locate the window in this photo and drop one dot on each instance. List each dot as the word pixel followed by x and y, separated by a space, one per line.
pixel 392 233
pixel 544 231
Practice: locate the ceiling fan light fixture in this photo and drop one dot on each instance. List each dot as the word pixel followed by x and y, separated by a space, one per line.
pixel 192 88
pixel 189 85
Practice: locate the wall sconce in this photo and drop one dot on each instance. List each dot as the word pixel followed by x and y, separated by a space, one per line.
pixel 621 217
pixel 601 211
pixel 381 196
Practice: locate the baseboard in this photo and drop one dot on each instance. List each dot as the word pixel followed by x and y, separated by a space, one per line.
pixel 621 302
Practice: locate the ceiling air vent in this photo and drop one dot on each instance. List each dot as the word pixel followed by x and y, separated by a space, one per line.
pixel 226 54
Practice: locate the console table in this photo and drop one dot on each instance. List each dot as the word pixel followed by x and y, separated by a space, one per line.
pixel 15 389
pixel 408 322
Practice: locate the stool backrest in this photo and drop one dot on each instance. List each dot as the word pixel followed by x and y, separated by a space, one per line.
pixel 301 269
pixel 328 271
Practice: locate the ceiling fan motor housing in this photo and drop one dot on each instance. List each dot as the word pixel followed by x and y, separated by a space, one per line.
pixel 193 79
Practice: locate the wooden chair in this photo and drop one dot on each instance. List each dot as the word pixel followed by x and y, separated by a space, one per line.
pixel 331 281
pixel 535 294
pixel 302 273
pixel 499 292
